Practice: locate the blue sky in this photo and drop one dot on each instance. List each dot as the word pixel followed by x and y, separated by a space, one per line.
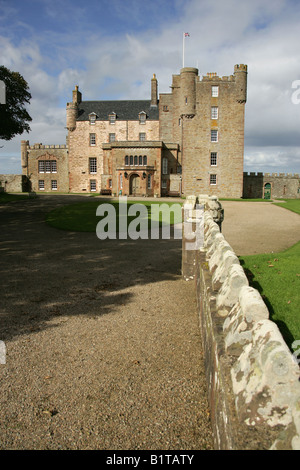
pixel 111 48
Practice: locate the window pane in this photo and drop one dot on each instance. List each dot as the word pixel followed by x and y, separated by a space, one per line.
pixel 213 179
pixel 214 135
pixel 54 185
pixel 165 166
pixel 214 91
pixel 142 136
pixel 135 160
pixel 41 185
pixel 93 165
pixel 92 139
pixel 41 166
pixel 214 112
pixel 213 158
pixel 47 166
pixel 140 160
pixel 92 185
pixel 53 166
pixel 131 160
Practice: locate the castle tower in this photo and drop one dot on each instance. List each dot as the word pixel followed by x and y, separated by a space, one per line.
pixel 154 90
pixel 24 155
pixel 72 109
pixel 240 73
pixel 188 77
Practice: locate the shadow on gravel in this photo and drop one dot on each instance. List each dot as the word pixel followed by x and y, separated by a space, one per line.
pixel 48 274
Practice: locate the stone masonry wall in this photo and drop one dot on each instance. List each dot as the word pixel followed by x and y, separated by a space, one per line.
pixel 13 183
pixel 283 185
pixel 252 377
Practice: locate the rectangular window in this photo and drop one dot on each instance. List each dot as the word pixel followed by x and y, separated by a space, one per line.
pixel 93 139
pixel 110 183
pixel 142 136
pixel 149 181
pixel 164 184
pixel 121 181
pixel 47 166
pixel 93 185
pixel 212 179
pixel 213 159
pixel 41 185
pixel 214 135
pixel 112 119
pixel 112 137
pixel 41 166
pixel 54 185
pixel 214 91
pixel 53 166
pixel 142 118
pixel 93 165
pixel 214 112
pixel 92 118
pixel 165 166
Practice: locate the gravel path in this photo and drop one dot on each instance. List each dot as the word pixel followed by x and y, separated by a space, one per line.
pixel 97 356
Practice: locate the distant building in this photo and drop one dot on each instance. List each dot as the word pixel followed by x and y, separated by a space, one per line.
pixel 188 141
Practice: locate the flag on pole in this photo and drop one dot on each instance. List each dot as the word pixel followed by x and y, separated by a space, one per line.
pixel 184 36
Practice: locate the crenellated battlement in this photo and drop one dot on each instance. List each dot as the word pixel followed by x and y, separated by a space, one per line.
pixel 272 175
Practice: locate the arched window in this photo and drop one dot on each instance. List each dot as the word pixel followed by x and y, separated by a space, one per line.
pixel 145 160
pixel 126 160
pixel 135 160
pixel 140 160
pixel 131 160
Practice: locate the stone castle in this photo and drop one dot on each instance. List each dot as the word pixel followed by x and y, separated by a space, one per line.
pixel 188 141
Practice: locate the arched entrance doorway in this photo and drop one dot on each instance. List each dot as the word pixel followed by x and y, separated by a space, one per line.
pixel 134 185
pixel 267 191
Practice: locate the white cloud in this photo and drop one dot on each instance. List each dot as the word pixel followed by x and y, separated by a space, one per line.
pixel 110 62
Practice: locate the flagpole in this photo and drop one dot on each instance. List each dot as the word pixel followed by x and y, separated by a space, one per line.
pixel 183 36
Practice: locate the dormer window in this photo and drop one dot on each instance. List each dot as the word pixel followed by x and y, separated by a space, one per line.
pixel 92 118
pixel 142 117
pixel 112 118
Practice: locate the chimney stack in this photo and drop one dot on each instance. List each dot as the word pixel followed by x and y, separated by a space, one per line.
pixel 154 91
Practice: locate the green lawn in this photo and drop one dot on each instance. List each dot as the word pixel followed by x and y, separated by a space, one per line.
pixel 82 217
pixel 277 277
pixel 8 197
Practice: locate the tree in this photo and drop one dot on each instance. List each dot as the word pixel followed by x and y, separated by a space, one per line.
pixel 14 118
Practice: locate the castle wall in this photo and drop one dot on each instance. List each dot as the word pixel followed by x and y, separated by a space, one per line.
pixel 80 150
pixel 252 377
pixel 53 177
pixel 13 183
pixel 282 185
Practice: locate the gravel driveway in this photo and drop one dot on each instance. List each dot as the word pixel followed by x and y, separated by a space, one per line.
pixel 103 346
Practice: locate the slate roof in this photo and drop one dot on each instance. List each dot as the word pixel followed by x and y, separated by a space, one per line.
pixel 127 110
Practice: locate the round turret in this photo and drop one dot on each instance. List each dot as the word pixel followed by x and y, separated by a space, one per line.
pixel 188 77
pixel 240 73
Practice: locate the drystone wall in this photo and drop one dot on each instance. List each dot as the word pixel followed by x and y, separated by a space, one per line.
pixel 252 377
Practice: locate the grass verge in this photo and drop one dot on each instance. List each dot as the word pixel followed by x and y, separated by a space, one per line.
pixel 277 277
pixel 9 197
